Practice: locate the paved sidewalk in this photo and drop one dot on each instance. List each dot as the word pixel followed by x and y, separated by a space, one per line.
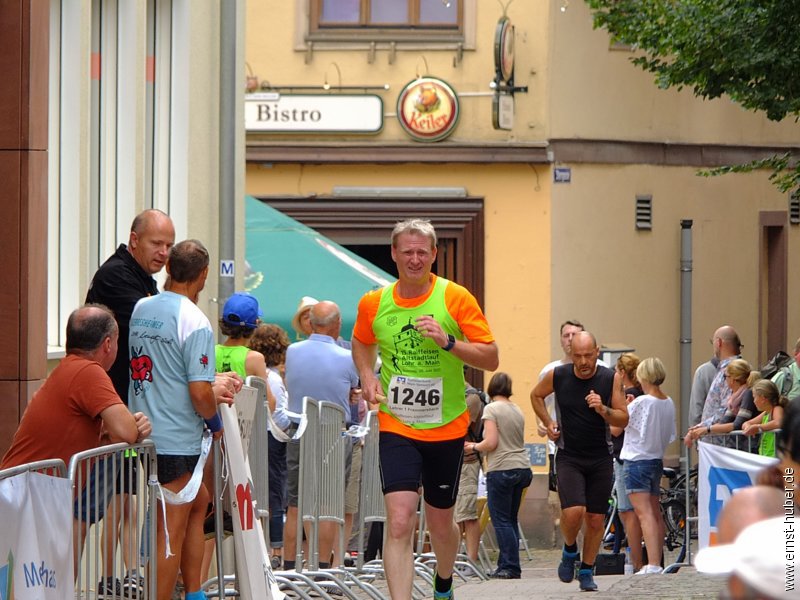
pixel 539 580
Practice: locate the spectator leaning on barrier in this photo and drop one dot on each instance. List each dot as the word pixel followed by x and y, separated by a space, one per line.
pixel 77 408
pixel 737 376
pixel 772 406
pixel 172 371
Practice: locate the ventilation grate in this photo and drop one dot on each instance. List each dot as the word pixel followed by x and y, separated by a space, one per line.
pixel 794 207
pixel 644 212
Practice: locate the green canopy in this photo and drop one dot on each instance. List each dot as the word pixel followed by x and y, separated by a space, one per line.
pixel 287 260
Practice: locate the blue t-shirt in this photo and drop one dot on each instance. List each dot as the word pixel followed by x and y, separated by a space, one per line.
pixel 171 344
pixel 319 368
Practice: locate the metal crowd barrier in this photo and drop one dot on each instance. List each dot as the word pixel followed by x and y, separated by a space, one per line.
pixel 371 507
pixel 321 489
pixel 107 567
pixel 322 482
pixel 258 454
pixel 54 467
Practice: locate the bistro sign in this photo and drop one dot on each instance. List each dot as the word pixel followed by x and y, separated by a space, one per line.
pixel 427 109
pixel 313 113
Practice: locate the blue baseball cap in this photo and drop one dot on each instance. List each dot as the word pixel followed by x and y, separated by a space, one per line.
pixel 242 309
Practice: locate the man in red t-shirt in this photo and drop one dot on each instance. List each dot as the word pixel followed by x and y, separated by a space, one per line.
pixel 77 408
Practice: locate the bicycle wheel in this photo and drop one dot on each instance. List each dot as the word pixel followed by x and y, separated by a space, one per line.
pixel 674 514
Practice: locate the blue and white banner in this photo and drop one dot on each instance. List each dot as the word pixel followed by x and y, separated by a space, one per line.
pixel 36 538
pixel 720 473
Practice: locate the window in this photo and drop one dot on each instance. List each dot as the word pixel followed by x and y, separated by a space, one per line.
pixel 112 135
pixel 387 20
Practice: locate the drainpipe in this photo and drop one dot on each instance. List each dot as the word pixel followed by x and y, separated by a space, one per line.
pixel 227 151
pixel 686 321
pixel 686 369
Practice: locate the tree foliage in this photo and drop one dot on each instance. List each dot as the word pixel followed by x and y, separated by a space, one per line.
pixel 748 50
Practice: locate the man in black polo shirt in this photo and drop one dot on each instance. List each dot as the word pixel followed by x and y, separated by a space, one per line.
pixel 589 398
pixel 120 282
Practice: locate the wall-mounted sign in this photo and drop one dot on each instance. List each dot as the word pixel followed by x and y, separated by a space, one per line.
pixel 427 109
pixel 504 49
pixel 317 113
pixel 503 111
pixel 562 175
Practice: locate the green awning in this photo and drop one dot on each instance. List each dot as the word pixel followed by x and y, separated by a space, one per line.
pixel 287 260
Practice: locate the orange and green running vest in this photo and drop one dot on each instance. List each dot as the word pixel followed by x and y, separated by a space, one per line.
pixel 424 384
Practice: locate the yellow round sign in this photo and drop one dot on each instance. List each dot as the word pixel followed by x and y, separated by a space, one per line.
pixel 427 109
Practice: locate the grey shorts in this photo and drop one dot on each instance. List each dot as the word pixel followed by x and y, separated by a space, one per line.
pixel 467 499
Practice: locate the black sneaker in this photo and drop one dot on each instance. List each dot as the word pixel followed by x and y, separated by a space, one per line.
pixel 109 589
pixel 227 525
pixel 133 586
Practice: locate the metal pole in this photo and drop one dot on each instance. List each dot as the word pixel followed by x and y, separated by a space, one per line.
pixel 686 367
pixel 686 321
pixel 228 81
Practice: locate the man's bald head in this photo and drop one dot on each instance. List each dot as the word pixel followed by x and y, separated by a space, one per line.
pixel 726 342
pixel 746 507
pixel 326 318
pixel 584 354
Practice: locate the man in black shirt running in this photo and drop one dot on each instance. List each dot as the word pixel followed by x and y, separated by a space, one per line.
pixel 589 398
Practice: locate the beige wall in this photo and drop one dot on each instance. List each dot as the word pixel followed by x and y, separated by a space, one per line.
pixel 595 92
pixel 625 284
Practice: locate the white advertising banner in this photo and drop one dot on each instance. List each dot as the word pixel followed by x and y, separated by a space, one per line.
pixel 313 113
pixel 256 580
pixel 720 473
pixel 36 538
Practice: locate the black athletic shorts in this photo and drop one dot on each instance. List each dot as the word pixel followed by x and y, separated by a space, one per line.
pixel 406 464
pixel 585 481
pixel 170 467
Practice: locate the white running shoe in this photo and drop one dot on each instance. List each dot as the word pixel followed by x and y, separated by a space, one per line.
pixel 650 570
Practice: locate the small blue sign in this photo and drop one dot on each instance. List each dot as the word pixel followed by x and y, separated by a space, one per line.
pixel 562 175
pixel 538 454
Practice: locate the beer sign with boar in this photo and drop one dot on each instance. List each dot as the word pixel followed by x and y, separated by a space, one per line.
pixel 428 109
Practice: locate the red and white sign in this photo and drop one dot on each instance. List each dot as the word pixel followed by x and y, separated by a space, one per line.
pixel 427 109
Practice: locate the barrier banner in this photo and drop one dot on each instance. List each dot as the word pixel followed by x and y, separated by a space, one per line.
pixel 36 538
pixel 256 580
pixel 720 473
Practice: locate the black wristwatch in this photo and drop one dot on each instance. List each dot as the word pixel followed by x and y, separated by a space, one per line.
pixel 451 341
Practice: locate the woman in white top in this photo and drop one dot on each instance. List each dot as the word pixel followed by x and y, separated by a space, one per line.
pixel 508 471
pixel 651 428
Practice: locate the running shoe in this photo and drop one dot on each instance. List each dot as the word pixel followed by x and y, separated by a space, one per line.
pixel 566 568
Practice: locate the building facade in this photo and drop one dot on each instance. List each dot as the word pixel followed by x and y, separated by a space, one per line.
pixel 110 107
pixel 573 210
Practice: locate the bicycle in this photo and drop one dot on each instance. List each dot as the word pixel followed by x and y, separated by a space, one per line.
pixel 673 509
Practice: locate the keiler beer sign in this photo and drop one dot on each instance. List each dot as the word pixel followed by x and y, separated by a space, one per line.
pixel 428 109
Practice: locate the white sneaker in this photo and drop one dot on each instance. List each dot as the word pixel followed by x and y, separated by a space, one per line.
pixel 650 570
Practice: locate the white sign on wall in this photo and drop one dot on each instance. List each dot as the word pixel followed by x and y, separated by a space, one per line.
pixel 318 113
